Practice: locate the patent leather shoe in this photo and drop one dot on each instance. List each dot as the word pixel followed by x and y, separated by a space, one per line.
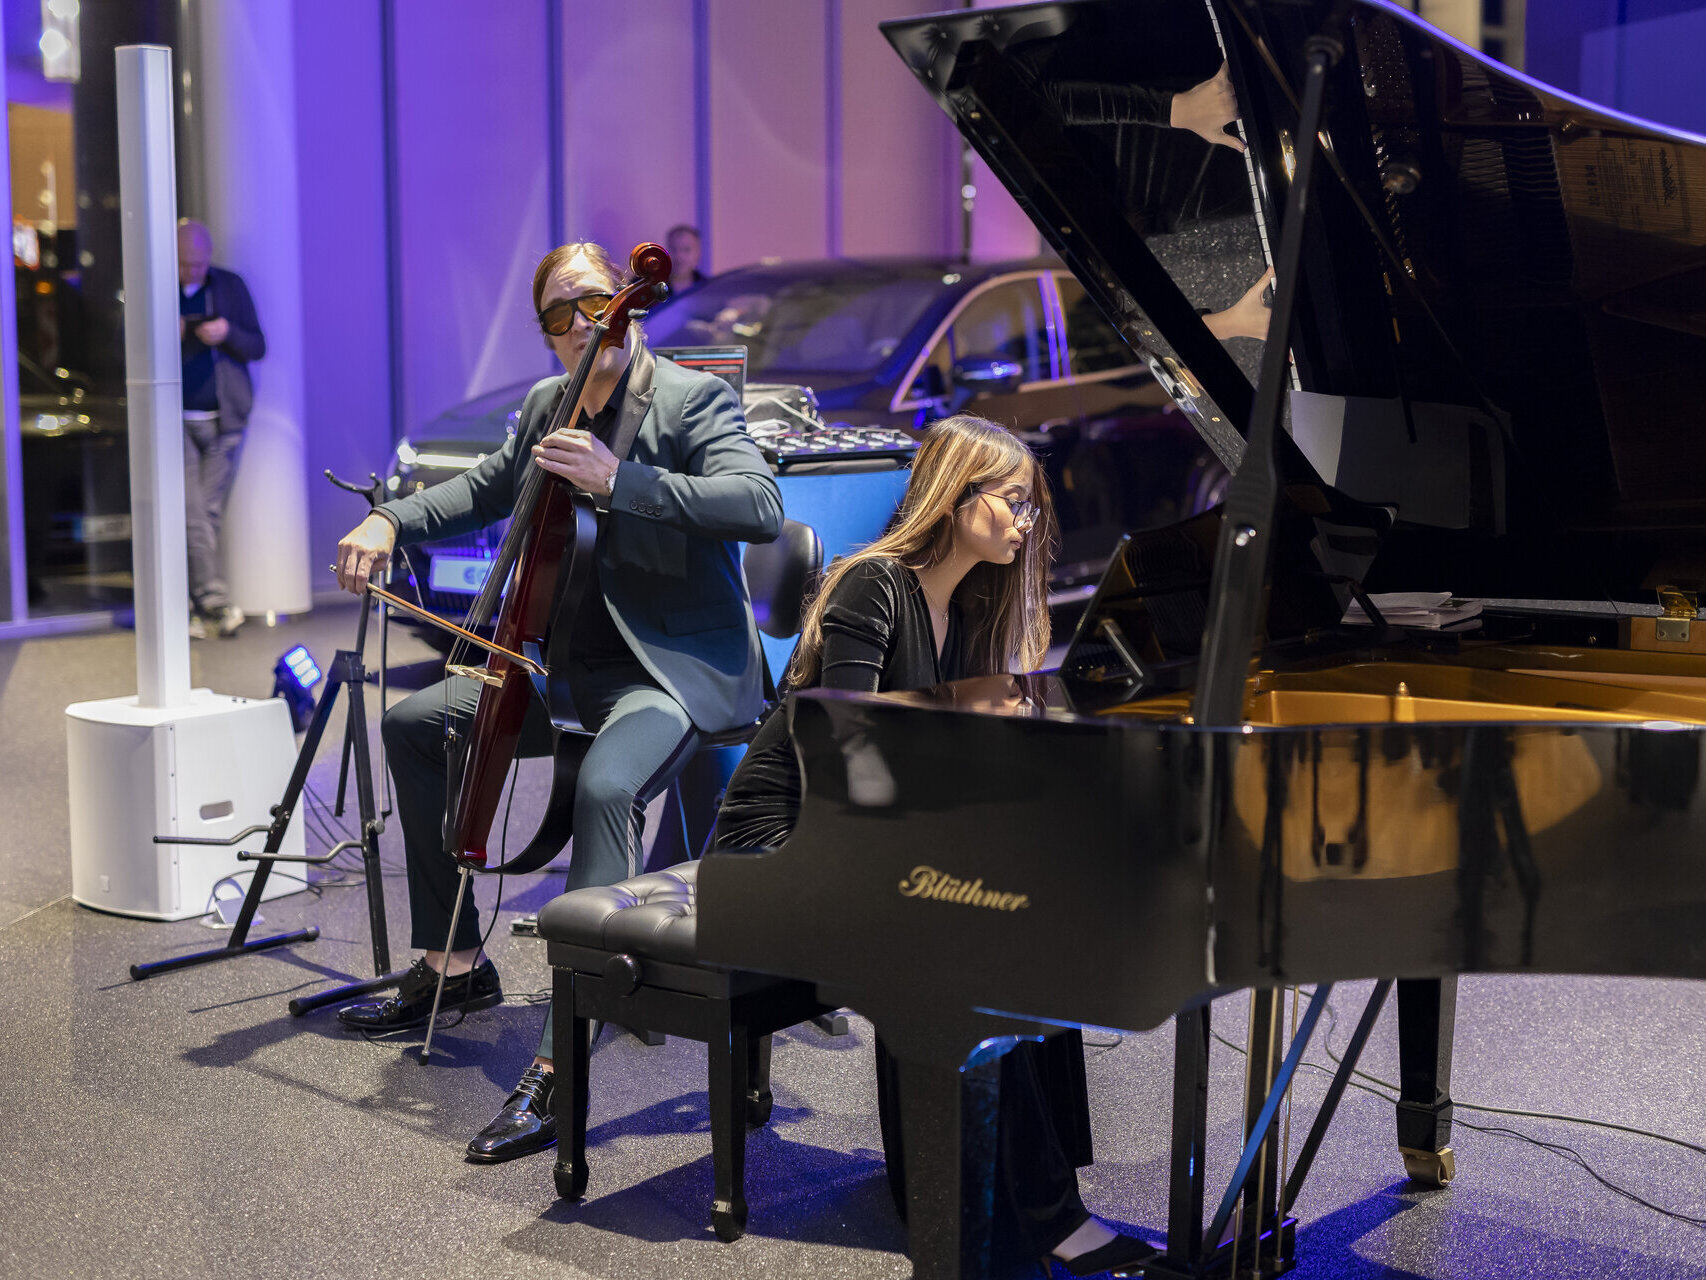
pixel 525 1124
pixel 411 1006
pixel 1119 1256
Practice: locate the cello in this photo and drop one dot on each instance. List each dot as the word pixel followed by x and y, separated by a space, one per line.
pixel 541 572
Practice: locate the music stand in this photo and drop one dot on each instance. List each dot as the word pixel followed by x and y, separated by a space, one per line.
pixel 346 668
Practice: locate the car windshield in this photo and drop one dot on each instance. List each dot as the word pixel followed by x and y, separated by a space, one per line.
pixel 842 321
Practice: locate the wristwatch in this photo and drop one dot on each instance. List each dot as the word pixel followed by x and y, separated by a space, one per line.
pixel 610 481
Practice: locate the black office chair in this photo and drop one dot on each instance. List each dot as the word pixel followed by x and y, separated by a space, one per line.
pixel 626 953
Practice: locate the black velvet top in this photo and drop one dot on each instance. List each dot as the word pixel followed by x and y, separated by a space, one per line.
pixel 877 637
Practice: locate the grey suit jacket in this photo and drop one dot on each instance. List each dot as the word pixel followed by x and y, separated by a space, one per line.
pixel 690 488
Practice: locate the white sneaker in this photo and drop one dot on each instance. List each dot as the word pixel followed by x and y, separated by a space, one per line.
pixel 230 618
pixel 198 628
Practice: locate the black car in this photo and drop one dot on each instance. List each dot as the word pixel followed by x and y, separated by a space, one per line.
pixel 76 466
pixel 900 342
pixel 895 344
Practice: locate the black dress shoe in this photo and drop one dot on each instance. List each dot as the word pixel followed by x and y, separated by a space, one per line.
pixel 525 1124
pixel 1120 1255
pixel 479 988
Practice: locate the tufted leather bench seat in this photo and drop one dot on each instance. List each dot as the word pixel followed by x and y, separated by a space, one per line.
pixel 649 915
pixel 627 953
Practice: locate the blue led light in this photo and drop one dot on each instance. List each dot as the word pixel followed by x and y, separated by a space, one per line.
pixel 293 676
pixel 300 664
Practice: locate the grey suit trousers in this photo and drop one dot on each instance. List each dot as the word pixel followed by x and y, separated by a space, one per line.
pixel 211 451
pixel 643 738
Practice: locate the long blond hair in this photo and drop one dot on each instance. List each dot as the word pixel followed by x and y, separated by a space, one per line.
pixel 1004 607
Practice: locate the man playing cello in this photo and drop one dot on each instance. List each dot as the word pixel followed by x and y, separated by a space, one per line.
pixel 663 649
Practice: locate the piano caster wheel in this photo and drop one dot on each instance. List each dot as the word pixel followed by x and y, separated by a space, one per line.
pixel 570 1180
pixel 1430 1168
pixel 758 1107
pixel 728 1221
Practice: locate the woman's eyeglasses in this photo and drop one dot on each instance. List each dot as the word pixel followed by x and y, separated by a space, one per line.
pixel 558 318
pixel 1025 512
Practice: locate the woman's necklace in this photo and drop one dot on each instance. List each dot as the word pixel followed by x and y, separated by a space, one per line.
pixel 936 611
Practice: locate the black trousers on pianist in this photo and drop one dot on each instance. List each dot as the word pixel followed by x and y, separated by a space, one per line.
pixel 1042 1138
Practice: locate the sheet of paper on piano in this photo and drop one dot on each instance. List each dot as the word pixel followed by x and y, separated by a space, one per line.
pixel 1434 610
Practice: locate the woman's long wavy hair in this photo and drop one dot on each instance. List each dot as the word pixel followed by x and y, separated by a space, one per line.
pixel 1004 607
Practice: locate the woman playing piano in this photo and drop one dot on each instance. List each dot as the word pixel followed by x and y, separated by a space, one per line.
pixel 957 588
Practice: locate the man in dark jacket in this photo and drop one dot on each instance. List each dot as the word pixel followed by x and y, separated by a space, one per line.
pixel 220 336
pixel 663 650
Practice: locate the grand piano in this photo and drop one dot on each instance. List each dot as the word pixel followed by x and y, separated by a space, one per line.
pixel 1481 378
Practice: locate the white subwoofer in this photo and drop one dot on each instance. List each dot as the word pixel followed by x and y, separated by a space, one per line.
pixel 208 768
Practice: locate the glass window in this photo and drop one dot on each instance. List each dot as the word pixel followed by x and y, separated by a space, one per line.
pixel 1095 345
pixel 67 273
pixel 1007 323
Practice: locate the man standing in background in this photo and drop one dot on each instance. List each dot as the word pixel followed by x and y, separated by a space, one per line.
pixel 220 335
pixel 685 249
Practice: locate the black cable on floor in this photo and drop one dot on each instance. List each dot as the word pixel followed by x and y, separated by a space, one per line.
pixel 1556 1148
pixel 329 829
pixel 1327 1044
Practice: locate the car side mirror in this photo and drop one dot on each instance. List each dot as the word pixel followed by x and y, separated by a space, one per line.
pixel 987 375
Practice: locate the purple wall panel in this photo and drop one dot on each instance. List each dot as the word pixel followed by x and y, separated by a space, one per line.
pixel 768 132
pixel 628 121
pixel 1000 229
pixel 898 194
pixel 1552 38
pixel 1650 69
pixel 472 174
pixel 341 192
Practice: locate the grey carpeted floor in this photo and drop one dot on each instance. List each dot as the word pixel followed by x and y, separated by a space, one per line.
pixel 187 1126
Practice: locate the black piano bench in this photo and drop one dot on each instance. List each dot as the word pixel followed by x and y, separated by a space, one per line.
pixel 626 953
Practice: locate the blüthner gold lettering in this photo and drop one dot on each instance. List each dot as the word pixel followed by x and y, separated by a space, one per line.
pixel 927 882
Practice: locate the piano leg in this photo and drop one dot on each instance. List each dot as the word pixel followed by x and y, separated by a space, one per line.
pixel 1190 1137
pixel 569 1100
pixel 758 1098
pixel 1427 1017
pixel 1257 1230
pixel 948 1135
pixel 730 1073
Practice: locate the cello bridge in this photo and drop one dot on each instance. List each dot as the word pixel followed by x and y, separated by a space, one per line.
pixel 482 674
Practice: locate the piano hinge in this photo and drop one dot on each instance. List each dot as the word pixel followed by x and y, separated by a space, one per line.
pixel 1680 609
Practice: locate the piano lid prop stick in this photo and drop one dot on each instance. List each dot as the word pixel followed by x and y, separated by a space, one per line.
pixel 1241 558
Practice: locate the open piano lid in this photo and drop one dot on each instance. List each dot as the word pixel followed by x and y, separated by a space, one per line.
pixel 1503 297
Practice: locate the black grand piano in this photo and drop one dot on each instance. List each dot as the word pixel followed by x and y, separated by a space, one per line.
pixel 1483 376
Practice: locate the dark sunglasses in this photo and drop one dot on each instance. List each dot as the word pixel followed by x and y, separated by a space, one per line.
pixel 558 318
